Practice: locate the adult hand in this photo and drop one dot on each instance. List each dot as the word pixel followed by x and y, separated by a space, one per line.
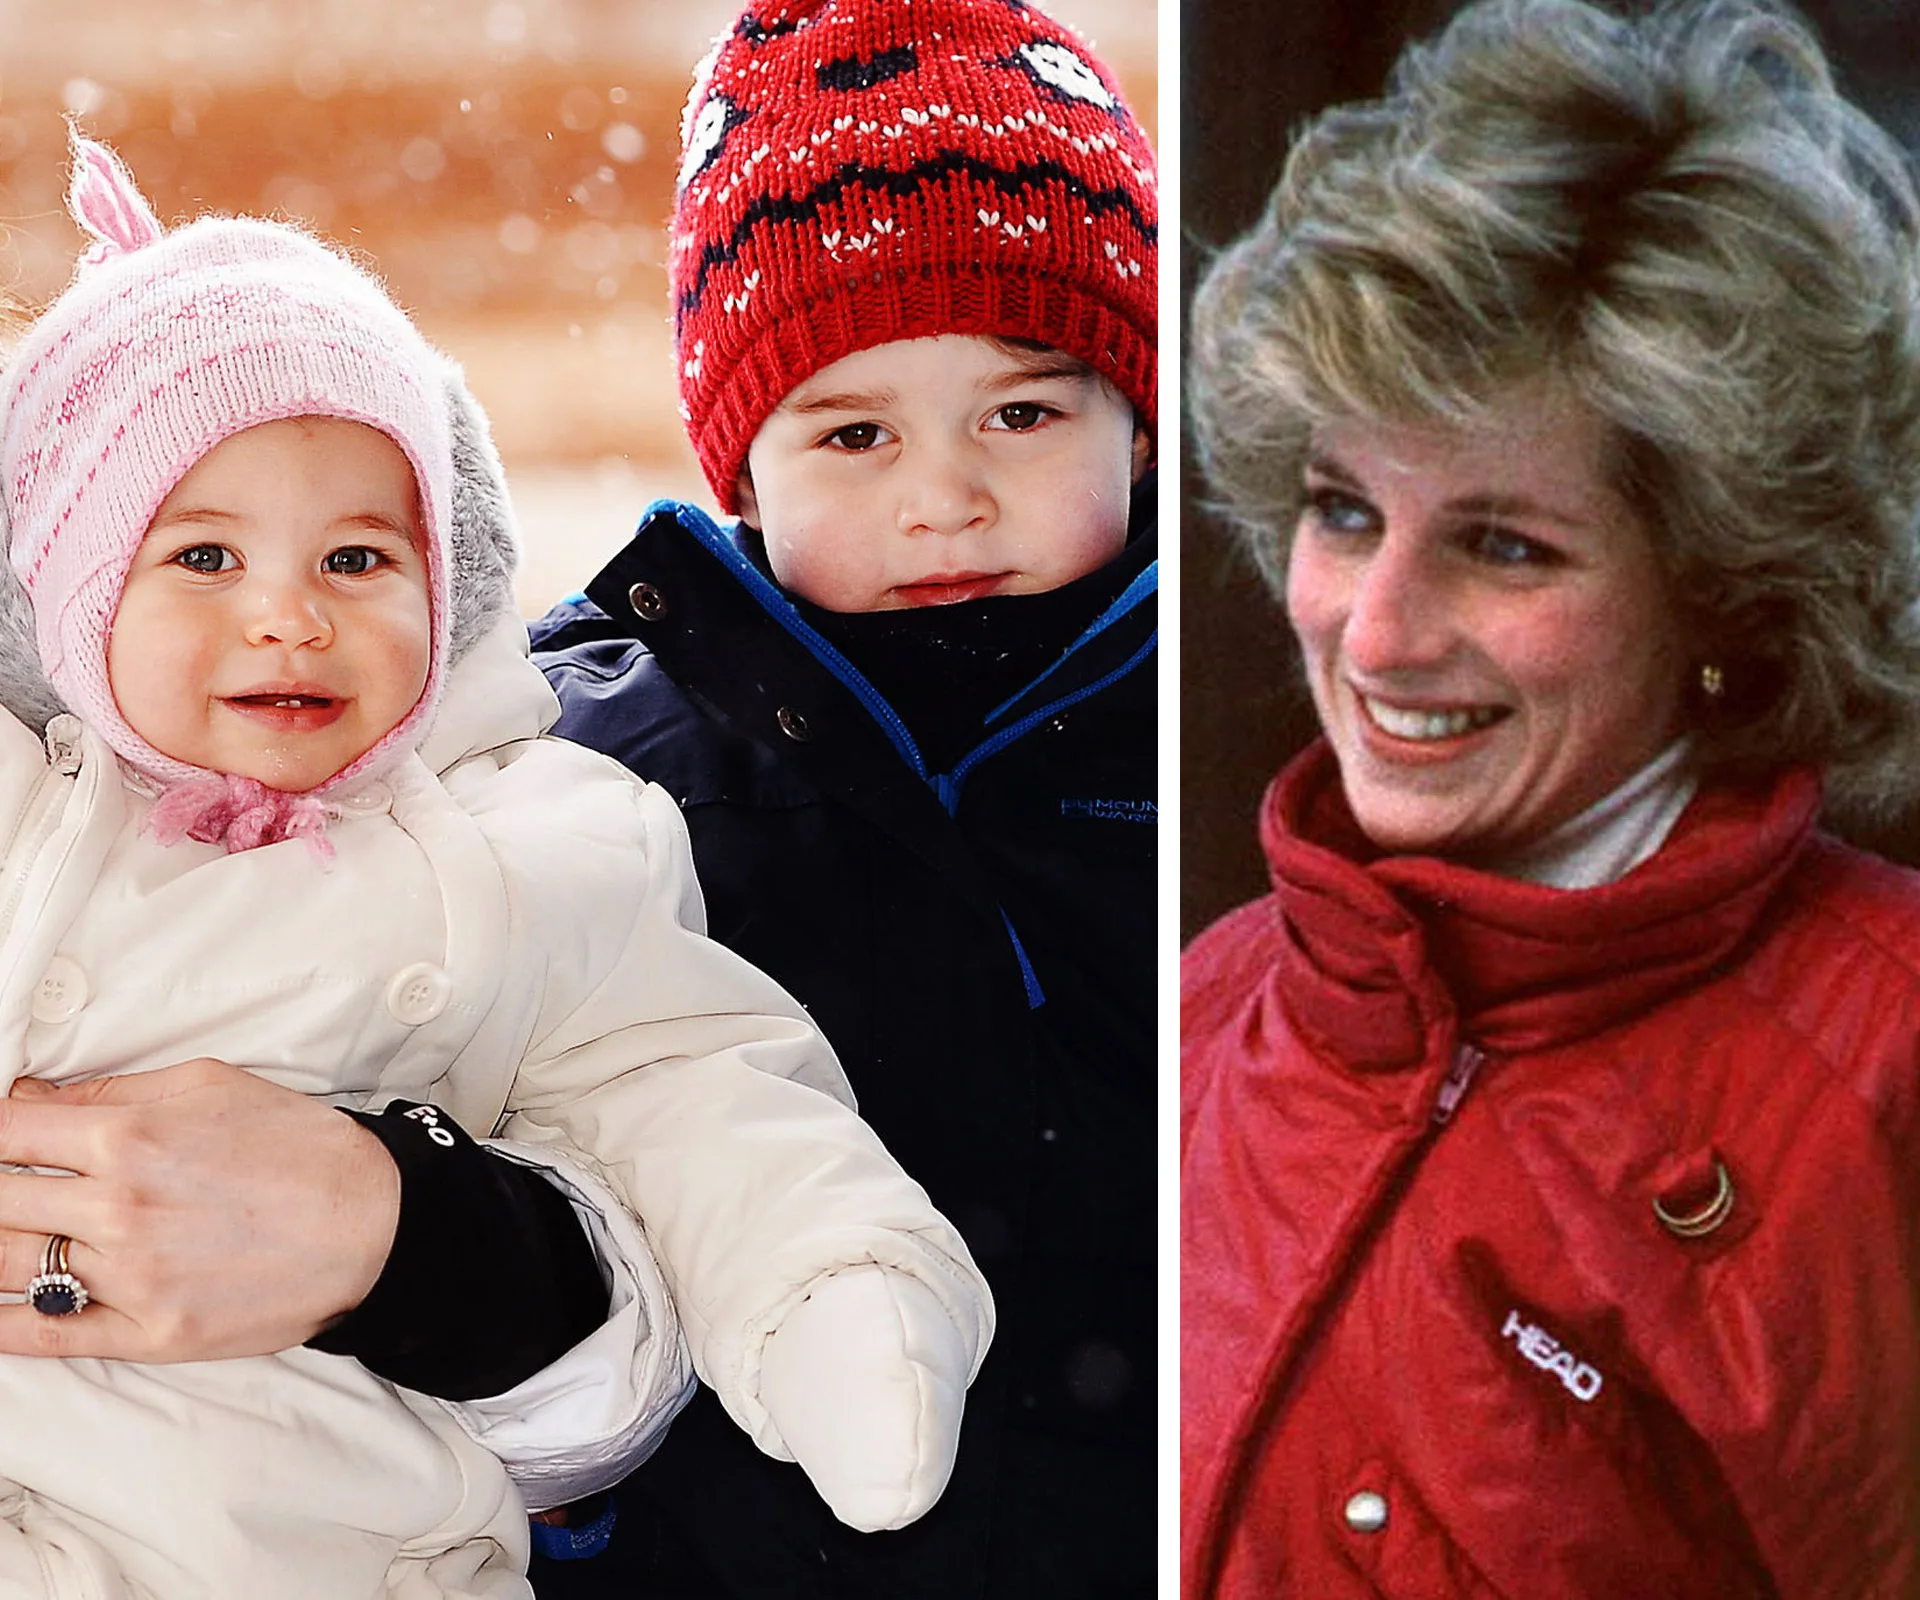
pixel 212 1213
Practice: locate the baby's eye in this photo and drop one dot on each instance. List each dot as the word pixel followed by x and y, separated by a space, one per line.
pixel 351 561
pixel 1021 416
pixel 855 436
pixel 1502 547
pixel 205 558
pixel 1336 511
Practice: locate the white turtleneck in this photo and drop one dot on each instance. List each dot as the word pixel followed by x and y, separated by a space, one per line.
pixel 1614 834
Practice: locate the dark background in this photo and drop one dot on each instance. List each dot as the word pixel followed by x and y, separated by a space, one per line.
pixel 1251 71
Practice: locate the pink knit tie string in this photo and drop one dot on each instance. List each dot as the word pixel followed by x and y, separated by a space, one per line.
pixel 239 813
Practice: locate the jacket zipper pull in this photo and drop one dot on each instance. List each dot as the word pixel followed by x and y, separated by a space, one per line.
pixel 1453 1088
pixel 63 744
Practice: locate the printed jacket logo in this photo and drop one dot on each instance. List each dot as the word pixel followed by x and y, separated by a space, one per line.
pixel 1549 1355
pixel 1111 810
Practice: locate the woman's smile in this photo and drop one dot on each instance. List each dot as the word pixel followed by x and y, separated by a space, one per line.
pixel 1426 724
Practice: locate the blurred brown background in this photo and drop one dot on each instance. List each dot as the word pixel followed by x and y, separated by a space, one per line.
pixel 506 165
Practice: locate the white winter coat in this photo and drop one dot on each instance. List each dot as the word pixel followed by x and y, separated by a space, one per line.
pixel 517 940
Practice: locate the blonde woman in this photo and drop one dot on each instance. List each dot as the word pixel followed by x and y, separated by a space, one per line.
pixel 1550 1169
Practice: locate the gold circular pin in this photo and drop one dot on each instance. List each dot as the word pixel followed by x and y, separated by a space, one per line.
pixel 1698 1224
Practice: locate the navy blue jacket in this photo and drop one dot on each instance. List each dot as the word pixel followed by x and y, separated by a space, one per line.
pixel 978 944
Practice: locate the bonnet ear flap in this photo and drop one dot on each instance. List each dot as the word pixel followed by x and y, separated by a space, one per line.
pixel 24 689
pixel 108 206
pixel 484 536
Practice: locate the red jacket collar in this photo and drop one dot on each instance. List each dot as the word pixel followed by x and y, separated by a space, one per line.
pixel 1378 954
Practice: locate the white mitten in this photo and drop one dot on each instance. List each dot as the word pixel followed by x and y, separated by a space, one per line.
pixel 865 1380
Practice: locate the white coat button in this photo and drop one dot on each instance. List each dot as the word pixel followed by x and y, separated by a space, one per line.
pixel 1366 1512
pixel 418 993
pixel 369 800
pixel 62 991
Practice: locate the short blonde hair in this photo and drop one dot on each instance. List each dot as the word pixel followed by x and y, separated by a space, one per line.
pixel 1679 218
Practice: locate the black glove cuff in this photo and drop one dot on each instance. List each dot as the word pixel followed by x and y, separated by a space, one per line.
pixel 491 1276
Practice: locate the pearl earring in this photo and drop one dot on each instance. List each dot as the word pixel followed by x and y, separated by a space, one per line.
pixel 1713 682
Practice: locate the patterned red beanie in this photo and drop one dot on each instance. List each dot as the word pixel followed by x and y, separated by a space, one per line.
pixel 859 171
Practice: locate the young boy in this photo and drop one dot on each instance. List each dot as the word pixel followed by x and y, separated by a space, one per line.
pixel 907 705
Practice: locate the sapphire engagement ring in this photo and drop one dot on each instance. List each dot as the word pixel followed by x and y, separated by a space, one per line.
pixel 56 1292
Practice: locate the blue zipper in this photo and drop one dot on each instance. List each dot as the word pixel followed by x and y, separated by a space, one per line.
pixel 1146 583
pixel 949 786
pixel 1036 998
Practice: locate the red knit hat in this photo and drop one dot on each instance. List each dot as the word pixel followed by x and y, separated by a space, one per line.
pixel 859 171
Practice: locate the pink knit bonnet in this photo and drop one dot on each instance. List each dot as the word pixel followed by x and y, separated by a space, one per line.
pixel 164 345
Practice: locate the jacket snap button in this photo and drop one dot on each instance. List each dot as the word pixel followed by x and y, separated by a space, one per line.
pixel 367 801
pixel 1366 1512
pixel 418 993
pixel 62 992
pixel 793 725
pixel 648 603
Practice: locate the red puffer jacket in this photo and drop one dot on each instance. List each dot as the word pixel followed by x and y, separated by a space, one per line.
pixel 1436 1340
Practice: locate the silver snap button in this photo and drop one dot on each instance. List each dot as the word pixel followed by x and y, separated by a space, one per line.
pixel 418 993
pixel 62 991
pixel 369 800
pixel 648 603
pixel 1366 1512
pixel 793 725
